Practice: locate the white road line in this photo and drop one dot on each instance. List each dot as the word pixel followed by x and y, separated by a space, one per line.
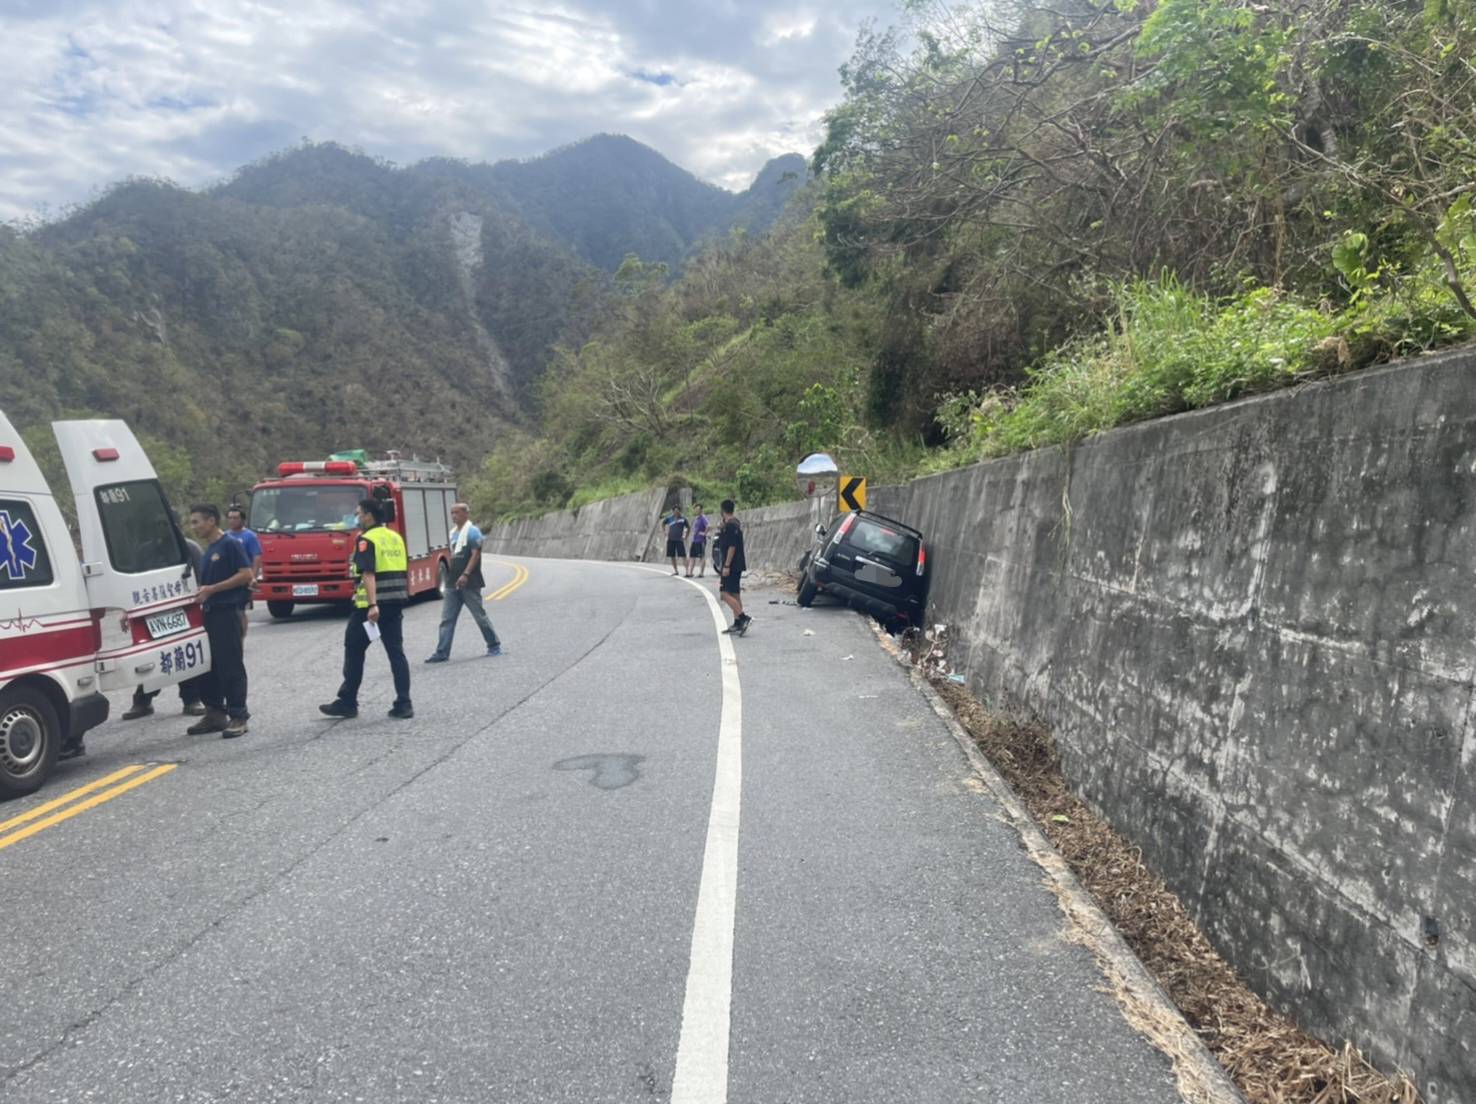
pixel 702 1048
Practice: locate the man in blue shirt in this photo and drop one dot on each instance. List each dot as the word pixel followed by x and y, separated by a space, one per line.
pixel 225 585
pixel 466 587
pixel 236 527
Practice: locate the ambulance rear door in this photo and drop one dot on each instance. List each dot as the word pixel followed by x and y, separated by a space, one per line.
pixel 135 563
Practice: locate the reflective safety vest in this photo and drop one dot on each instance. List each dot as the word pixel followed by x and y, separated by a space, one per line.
pixel 391 567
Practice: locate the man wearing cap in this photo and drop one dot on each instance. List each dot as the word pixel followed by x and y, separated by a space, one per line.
pixel 382 567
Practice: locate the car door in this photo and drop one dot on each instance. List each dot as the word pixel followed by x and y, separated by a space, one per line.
pixel 135 563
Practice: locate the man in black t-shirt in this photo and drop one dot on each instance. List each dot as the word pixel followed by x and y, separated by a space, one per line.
pixel 676 538
pixel 730 538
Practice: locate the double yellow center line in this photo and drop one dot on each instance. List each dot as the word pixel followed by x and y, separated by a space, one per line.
pixel 70 804
pixel 520 576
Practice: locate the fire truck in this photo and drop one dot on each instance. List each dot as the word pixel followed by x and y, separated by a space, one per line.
pixel 119 615
pixel 306 521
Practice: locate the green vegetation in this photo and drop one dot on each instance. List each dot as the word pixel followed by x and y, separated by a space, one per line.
pixel 1031 223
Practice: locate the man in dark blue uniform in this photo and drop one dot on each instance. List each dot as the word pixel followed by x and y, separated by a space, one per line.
pixel 225 587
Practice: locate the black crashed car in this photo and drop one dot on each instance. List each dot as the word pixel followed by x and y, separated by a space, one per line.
pixel 873 564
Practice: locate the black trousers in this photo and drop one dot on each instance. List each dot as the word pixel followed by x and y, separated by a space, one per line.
pixel 223 687
pixel 356 644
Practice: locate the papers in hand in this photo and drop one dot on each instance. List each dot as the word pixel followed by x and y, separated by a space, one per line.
pixel 371 630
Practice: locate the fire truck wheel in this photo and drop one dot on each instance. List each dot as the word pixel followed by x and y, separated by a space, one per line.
pixel 280 610
pixel 30 737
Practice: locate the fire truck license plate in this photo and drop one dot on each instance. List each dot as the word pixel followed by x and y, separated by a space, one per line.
pixel 167 624
pixel 304 590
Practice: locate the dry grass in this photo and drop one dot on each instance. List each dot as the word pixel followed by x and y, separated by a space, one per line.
pixel 1269 1057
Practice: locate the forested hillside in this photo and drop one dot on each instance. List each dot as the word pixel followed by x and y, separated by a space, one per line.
pixel 320 299
pixel 1033 222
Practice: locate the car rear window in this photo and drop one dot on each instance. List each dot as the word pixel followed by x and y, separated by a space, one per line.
pixel 876 539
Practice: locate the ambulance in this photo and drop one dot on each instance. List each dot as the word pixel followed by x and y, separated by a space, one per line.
pixel 119 613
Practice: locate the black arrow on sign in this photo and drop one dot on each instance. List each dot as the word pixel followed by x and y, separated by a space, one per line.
pixel 848 492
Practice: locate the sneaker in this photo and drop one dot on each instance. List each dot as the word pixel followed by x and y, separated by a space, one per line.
pixel 213 721
pixel 741 626
pixel 338 709
pixel 134 712
pixel 402 712
pixel 731 629
pixel 495 650
pixel 438 659
pixel 194 709
pixel 236 727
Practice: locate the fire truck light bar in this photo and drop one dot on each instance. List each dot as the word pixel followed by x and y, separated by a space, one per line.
pixel 320 467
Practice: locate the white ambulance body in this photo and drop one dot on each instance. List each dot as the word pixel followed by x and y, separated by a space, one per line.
pixel 122 615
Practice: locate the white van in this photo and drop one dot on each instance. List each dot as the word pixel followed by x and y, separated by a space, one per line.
pixel 122 614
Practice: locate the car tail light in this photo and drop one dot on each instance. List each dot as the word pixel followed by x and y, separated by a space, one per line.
pixel 7 454
pixel 922 557
pixel 846 526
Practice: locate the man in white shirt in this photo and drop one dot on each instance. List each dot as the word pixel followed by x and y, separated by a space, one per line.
pixel 466 586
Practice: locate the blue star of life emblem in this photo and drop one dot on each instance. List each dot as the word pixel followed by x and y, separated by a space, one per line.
pixel 17 554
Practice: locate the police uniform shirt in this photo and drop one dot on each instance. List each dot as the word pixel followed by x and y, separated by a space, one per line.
pixel 364 561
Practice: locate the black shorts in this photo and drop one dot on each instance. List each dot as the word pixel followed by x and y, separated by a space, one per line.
pixel 675 549
pixel 730 582
pixel 697 549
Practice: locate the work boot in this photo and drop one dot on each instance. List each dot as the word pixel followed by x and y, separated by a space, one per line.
pixel 338 709
pixel 137 710
pixel 236 727
pixel 214 720
pixel 402 712
pixel 193 709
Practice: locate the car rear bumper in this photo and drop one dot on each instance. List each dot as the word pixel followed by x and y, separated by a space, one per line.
pixel 878 607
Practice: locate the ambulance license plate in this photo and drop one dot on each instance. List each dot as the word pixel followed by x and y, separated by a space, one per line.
pixel 304 590
pixel 167 624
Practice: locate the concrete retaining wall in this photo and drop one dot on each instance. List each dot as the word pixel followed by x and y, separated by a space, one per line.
pixel 1253 632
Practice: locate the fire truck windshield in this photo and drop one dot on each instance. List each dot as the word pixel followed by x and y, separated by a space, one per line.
pixel 302 508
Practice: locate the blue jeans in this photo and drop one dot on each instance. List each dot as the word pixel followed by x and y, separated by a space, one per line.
pixel 471 598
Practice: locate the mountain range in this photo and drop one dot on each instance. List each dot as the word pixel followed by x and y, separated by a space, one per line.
pixel 321 299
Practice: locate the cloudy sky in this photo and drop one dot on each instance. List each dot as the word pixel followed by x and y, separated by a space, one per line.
pixel 191 89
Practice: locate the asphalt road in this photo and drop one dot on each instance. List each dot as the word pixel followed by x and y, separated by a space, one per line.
pixel 496 900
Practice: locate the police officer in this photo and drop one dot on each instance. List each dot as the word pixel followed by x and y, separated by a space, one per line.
pixel 381 565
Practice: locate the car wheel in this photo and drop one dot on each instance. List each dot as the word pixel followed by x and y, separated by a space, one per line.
pixel 280 610
pixel 807 591
pixel 30 738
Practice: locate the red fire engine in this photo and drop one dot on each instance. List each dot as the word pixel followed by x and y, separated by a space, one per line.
pixel 306 521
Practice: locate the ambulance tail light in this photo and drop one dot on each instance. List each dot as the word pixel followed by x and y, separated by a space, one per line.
pixel 103 455
pixel 922 558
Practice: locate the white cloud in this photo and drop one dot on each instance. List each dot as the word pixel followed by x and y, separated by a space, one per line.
pixel 191 89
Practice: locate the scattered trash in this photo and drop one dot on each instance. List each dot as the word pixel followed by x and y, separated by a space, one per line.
pixel 773 601
pixel 809 632
pixel 1060 818
pixel 958 678
pixel 848 657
